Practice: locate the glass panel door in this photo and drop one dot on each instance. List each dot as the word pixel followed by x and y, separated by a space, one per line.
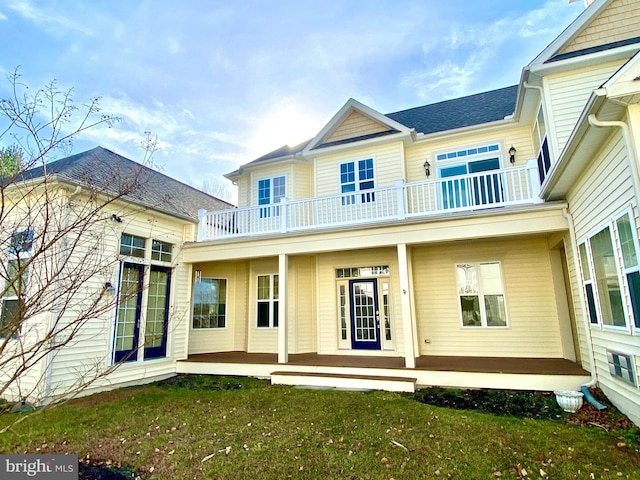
pixel 155 337
pixel 454 191
pixel 128 314
pixel 486 188
pixel 365 315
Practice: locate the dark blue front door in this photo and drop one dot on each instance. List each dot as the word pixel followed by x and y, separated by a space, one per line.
pixel 365 315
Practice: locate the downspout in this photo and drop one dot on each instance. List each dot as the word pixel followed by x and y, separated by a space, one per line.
pixel 592 364
pixel 54 313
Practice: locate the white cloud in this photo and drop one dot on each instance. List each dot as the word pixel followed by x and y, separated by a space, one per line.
pixel 3 16
pixel 47 18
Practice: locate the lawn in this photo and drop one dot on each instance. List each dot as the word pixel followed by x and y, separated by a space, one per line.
pixel 252 430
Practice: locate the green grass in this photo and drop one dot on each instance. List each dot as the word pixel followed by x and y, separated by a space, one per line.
pixel 249 430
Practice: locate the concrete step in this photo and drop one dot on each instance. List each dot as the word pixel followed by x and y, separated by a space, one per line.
pixel 343 381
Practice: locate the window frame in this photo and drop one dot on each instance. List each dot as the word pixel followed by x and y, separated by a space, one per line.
pixel 226 304
pixel 355 190
pixel 272 301
pixel 630 304
pixel 270 204
pixel 613 361
pixel 17 253
pixel 481 294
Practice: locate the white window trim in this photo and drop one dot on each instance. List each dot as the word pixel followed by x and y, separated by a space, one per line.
pixel 226 315
pixel 271 301
pixel 611 223
pixel 474 157
pixel 356 176
pixel 344 344
pixel 271 178
pixel 483 314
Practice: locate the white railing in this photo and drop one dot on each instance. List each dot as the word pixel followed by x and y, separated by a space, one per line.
pixel 491 189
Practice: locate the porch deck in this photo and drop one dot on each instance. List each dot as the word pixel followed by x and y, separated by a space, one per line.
pixel 544 374
pixel 520 366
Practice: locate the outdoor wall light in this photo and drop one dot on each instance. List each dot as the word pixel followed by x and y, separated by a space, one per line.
pixel 512 154
pixel 116 218
pixel 108 286
pixel 427 167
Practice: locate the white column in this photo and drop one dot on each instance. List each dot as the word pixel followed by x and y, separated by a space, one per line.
pixel 283 349
pixel 405 302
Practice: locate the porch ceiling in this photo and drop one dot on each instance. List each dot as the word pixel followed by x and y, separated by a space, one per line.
pixel 511 365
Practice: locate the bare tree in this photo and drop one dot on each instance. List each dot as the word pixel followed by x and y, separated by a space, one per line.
pixel 216 188
pixel 56 259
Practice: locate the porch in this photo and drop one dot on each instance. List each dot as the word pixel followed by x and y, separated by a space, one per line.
pixel 401 202
pixel 515 373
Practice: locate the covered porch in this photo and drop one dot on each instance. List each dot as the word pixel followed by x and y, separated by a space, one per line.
pixel 516 373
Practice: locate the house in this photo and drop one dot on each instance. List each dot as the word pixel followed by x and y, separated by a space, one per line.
pixel 483 241
pixel 91 275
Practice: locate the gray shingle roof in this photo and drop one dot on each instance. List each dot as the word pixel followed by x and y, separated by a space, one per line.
pixel 460 112
pixel 108 172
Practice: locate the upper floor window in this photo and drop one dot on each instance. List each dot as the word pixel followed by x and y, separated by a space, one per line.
pixel 21 242
pixel 469 185
pixel 271 191
pixel 357 177
pixel 132 246
pixel 161 251
pixel 541 145
pixel 481 295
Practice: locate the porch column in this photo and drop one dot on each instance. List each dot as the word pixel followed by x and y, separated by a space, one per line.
pixel 283 350
pixel 405 301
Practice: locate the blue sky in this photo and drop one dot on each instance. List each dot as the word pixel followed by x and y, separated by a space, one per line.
pixel 221 83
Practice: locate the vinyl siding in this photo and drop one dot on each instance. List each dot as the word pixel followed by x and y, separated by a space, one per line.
pixel 568 94
pixel 387 165
pixel 519 137
pixel 593 204
pixel 533 324
pixel 244 192
pixel 355 125
pixel 91 350
pixel 328 321
pixel 619 21
pixel 205 340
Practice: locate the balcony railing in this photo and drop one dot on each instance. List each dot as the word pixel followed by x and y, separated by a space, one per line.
pixel 490 189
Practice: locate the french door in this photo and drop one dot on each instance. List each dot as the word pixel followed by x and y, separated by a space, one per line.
pixel 463 191
pixel 365 315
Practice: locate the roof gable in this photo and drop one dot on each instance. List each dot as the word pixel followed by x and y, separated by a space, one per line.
pixel 355 122
pixel 106 171
pixel 615 22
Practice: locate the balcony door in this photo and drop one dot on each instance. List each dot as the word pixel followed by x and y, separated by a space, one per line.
pixel 463 190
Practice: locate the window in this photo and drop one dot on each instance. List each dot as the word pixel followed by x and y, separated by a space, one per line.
pixel 621 366
pixel 161 251
pixel 14 279
pixel 267 316
pixel 481 295
pixel 270 192
pixel 143 300
pixel 630 263
pixel 132 246
pixel 588 284
pixel 468 186
pixel 541 145
pixel 357 181
pixel 210 303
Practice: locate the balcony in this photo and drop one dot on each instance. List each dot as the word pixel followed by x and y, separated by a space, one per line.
pixel 401 202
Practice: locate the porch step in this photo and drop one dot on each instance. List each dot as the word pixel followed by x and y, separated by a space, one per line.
pixel 344 381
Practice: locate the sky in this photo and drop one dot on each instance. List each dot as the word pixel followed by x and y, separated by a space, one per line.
pixel 220 83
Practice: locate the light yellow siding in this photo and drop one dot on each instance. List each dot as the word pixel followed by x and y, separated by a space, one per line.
pixel 620 20
pixel 302 304
pixel 231 337
pixel 519 137
pixel 568 94
pixel 328 307
pixel 355 125
pixel 244 192
pixel 387 166
pixel 594 203
pixel 533 324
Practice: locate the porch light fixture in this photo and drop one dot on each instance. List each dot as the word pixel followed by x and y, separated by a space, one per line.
pixel 427 167
pixel 108 286
pixel 512 154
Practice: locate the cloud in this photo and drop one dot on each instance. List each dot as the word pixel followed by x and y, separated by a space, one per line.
pixel 46 18
pixel 3 16
pixel 468 55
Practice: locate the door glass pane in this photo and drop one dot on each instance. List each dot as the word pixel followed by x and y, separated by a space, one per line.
pixel 156 308
pixel 607 280
pixel 364 311
pixel 454 192
pixel 128 309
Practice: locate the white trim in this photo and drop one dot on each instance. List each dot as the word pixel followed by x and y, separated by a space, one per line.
pixel 226 315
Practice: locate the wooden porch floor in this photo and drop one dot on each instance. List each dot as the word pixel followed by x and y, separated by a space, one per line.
pixel 538 366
